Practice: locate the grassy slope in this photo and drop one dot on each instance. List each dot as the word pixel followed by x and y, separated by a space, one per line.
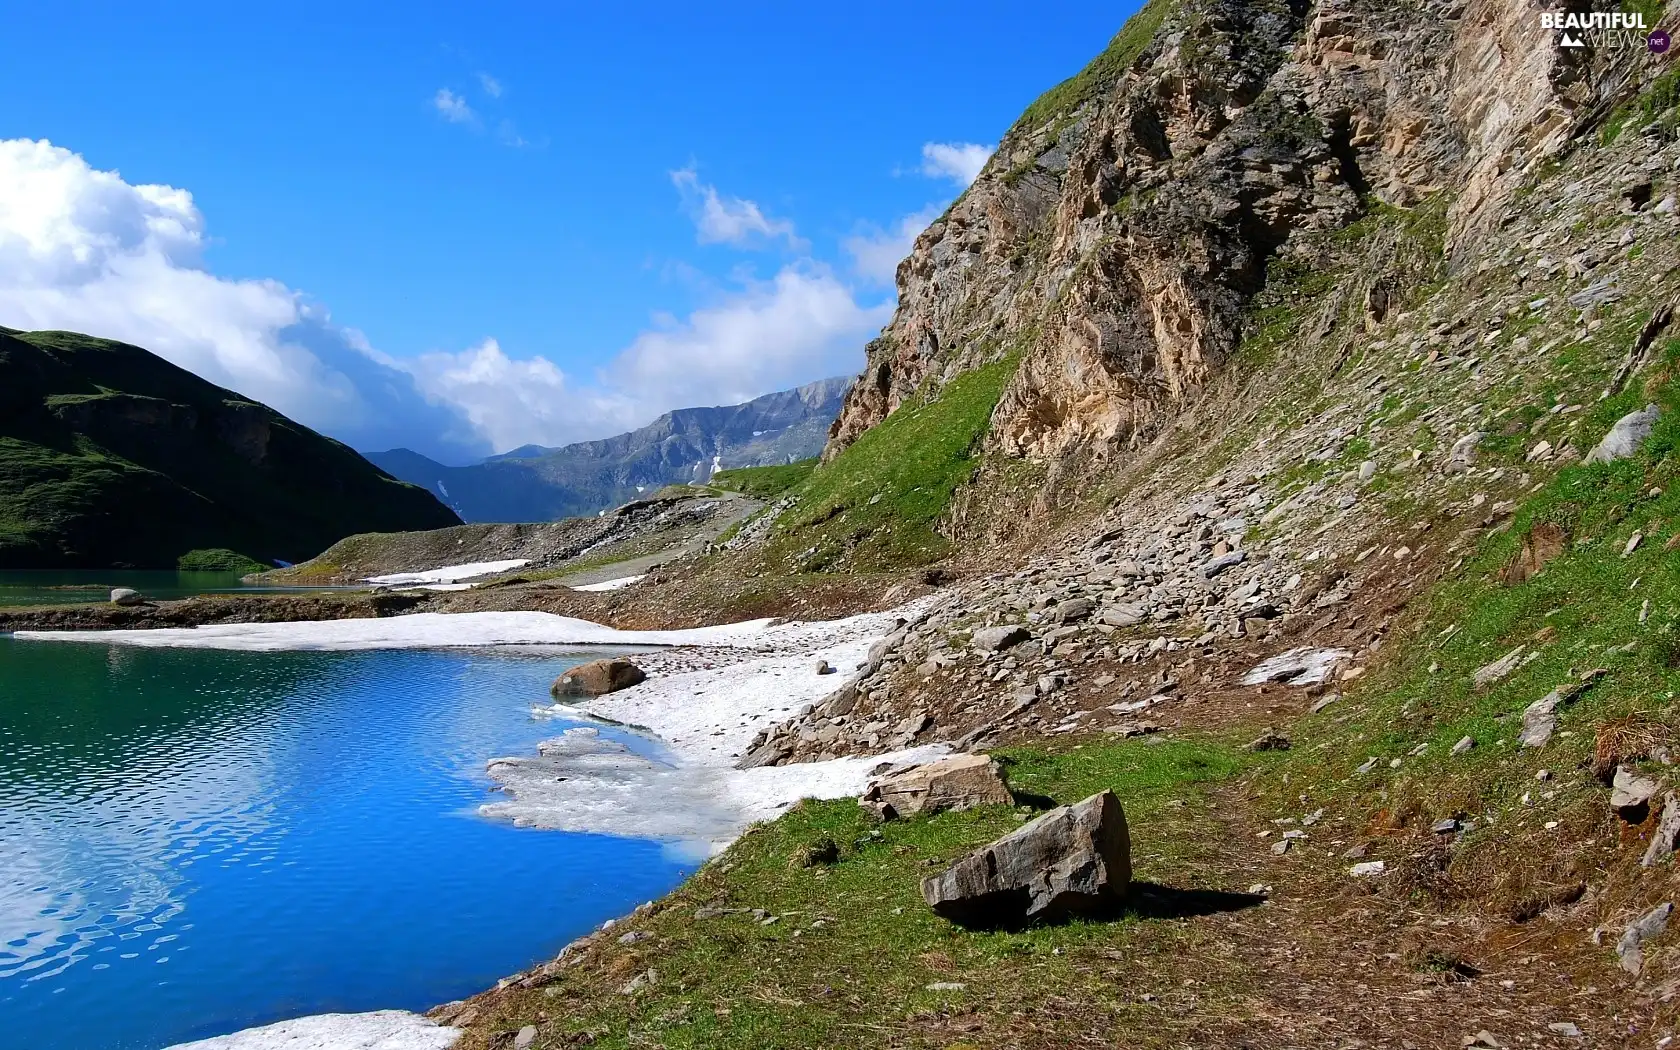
pixel 110 455
pixel 878 504
pixel 816 976
pixel 764 482
pixel 1593 607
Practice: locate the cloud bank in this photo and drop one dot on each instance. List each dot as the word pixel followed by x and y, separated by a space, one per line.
pixel 959 162
pixel 84 250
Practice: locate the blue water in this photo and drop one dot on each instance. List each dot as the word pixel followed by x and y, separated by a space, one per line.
pixel 69 586
pixel 193 842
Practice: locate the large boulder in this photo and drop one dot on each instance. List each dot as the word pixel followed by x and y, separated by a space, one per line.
pixel 994 639
pixel 127 596
pixel 958 782
pixel 1071 860
pixel 598 677
pixel 1626 436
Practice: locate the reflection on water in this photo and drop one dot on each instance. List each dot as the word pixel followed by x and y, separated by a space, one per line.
pixel 195 841
pixel 68 586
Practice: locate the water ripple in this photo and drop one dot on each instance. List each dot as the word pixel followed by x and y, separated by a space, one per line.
pixel 196 841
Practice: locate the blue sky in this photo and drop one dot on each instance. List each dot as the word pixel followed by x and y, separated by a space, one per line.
pixel 502 223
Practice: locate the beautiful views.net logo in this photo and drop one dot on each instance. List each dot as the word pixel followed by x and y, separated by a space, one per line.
pixel 1604 29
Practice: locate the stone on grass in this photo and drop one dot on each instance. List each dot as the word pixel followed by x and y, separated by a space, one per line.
pixel 1630 795
pixel 958 782
pixel 1630 949
pixel 1625 437
pixel 1464 744
pixel 525 1038
pixel 1667 835
pixel 993 639
pixel 127 596
pixel 1539 720
pixel 1071 860
pixel 1269 740
pixel 598 677
pixel 1488 674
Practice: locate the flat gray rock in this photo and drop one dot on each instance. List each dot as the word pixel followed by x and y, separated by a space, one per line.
pixel 1070 860
pixel 1625 437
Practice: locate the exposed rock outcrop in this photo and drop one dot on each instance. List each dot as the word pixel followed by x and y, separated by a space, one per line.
pixel 1070 860
pixel 1124 225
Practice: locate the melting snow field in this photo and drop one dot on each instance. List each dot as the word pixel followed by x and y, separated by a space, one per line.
pixel 380 1030
pixel 700 706
pixel 447 574
pixel 610 585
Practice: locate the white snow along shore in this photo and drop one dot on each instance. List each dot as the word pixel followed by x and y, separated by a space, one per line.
pixel 447 574
pixel 380 1030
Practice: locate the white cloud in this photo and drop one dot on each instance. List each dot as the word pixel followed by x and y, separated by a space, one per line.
pixel 801 325
pixel 80 249
pixel 728 220
pixel 958 161
pixel 453 107
pixel 876 253
pixel 83 250
pixel 521 402
pixel 490 84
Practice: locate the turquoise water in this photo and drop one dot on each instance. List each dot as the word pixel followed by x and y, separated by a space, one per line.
pixel 62 587
pixel 193 842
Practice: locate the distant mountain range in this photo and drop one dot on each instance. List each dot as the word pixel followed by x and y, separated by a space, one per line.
pixel 112 457
pixel 534 483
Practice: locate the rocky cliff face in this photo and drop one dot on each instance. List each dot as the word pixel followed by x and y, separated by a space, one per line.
pixel 1117 239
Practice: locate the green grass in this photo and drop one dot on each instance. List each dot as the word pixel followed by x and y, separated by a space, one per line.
pixel 112 457
pixel 859 976
pixel 1582 612
pixel 219 560
pixel 1063 99
pixel 878 503
pixel 1653 102
pixel 764 482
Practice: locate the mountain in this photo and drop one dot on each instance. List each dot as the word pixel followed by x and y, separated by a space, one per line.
pixel 533 483
pixel 111 456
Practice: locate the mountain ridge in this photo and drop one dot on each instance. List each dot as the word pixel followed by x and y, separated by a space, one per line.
pixel 111 456
pixel 538 483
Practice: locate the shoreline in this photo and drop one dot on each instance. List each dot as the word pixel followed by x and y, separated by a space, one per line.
pixel 744 676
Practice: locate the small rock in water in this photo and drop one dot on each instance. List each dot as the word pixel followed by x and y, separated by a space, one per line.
pixel 598 677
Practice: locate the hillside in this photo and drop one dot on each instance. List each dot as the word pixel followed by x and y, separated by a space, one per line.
pixel 534 483
pixel 1272 416
pixel 111 456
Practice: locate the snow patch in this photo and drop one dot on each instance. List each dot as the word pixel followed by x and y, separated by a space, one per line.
pixel 420 631
pixel 610 585
pixel 447 574
pixel 380 1030
pixel 1301 666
